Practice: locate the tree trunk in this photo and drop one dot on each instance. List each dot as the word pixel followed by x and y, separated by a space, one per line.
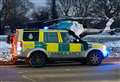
pixel 108 25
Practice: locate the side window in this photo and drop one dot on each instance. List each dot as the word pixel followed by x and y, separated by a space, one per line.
pixel 31 36
pixel 66 37
pixel 51 37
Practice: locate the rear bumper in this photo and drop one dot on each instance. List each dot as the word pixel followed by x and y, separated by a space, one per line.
pixel 19 56
pixel 23 55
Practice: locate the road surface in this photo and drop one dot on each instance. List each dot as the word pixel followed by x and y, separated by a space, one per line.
pixel 61 73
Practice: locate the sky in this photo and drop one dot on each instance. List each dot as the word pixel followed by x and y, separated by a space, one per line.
pixel 39 2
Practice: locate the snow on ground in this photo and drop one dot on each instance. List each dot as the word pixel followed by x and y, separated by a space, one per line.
pixel 114 48
pixel 111 41
pixel 4 49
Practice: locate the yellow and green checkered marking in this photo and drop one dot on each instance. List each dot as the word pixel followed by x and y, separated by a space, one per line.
pixel 54 47
pixel 57 47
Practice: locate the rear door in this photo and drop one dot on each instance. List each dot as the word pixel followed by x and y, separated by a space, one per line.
pixel 29 39
pixel 52 46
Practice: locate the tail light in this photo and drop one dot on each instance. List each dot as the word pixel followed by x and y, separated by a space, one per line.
pixel 19 46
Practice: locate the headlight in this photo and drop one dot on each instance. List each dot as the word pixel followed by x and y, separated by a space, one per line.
pixel 106 51
pixel 104 47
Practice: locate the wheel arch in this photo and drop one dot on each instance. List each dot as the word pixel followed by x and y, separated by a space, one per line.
pixel 93 49
pixel 37 50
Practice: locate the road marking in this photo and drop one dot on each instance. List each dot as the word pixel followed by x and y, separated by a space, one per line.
pixel 28 78
pixel 67 69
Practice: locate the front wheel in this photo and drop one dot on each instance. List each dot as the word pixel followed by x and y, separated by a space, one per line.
pixel 37 60
pixel 94 58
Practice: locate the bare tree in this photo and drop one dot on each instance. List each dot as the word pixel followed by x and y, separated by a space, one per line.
pixel 52 7
pixel 0 14
pixel 82 7
pixel 109 9
pixel 0 5
pixel 41 13
pixel 106 8
pixel 2 8
pixel 77 8
pixel 64 7
pixel 14 12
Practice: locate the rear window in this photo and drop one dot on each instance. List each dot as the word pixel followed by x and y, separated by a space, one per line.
pixel 31 36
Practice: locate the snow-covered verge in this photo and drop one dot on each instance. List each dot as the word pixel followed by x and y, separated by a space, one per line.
pixel 112 42
pixel 5 54
pixel 4 49
pixel 114 48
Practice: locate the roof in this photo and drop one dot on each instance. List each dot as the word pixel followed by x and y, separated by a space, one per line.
pixel 48 30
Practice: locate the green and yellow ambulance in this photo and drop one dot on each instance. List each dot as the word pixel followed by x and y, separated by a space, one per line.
pixel 39 46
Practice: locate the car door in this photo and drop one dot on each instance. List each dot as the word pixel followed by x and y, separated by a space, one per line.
pixel 51 41
pixel 68 47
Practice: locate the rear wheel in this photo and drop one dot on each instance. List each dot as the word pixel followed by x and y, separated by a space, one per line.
pixel 94 58
pixel 38 59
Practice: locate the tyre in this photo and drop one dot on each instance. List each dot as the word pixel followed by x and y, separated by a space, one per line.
pixel 38 59
pixel 94 58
